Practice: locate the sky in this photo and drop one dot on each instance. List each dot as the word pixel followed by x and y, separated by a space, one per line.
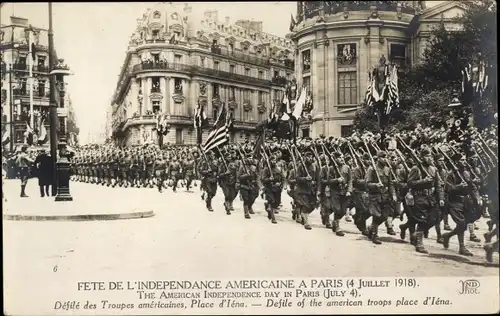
pixel 92 39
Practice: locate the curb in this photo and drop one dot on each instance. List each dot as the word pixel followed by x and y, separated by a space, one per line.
pixel 75 218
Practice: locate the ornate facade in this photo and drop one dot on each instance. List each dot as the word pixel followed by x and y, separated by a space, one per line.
pixel 15 85
pixel 338 42
pixel 176 60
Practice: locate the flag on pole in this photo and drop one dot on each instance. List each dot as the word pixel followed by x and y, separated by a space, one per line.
pixel 200 120
pixel 219 135
pixel 28 135
pixel 292 23
pixel 6 135
pixel 393 91
pixel 43 137
pixel 369 100
pixel 299 106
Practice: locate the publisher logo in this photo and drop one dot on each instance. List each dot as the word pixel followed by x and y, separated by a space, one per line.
pixel 469 287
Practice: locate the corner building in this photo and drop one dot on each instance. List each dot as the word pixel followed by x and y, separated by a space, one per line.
pixel 176 60
pixel 339 42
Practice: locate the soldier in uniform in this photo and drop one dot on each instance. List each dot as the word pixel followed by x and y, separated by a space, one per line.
pixel 175 172
pixel 443 214
pixel 160 167
pixel 341 190
pixel 227 181
pixel 208 171
pixel 360 194
pixel 272 179
pixel 149 162
pixel 306 188
pixel 381 194
pixel 461 194
pixel 188 167
pixel 426 188
pixel 135 171
pixel 292 182
pixel 247 184
pixel 23 163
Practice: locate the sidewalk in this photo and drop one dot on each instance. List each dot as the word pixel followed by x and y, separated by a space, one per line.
pixel 89 203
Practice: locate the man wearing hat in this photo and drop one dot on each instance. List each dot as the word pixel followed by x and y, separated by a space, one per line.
pixel 307 180
pixel 360 194
pixel 247 184
pixel 380 185
pixel 188 168
pixel 208 171
pixel 227 181
pixel 462 194
pixel 443 214
pixel 340 183
pixel 45 172
pixel 174 170
pixel 272 179
pixel 426 186
pixel 23 162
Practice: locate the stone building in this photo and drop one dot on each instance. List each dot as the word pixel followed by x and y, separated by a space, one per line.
pixel 176 60
pixel 338 42
pixel 15 85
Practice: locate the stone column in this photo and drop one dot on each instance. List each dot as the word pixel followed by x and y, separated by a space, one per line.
pixel 171 89
pixel 163 105
pixel 145 95
pixel 185 92
pixel 167 95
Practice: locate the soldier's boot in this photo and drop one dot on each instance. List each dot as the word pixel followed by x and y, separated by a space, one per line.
pixel 489 249
pixel 464 251
pixel 246 211
pixel 250 209
pixel 202 195
pixel 273 219
pixel 402 231
pixel 151 184
pixel 389 226
pixel 305 219
pixel 472 235
pixel 209 204
pixel 47 190
pixel 267 207
pixel 336 228
pixel 413 239
pixel 419 247
pixel 231 207
pixel 174 187
pixel 374 234
pixel 23 193
pixel 322 214
pixel 42 192
pixel 299 219
pixel 328 224
pixel 439 236
pixel 348 217
pixel 227 208
pixel 426 233
pixel 159 186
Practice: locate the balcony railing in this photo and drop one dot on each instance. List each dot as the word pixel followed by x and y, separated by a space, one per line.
pixel 279 81
pixel 155 90
pixel 231 53
pixel 36 93
pixel 193 69
pixel 35 68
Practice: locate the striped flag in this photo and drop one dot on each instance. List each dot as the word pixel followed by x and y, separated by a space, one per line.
pixel 28 135
pixel 299 106
pixel 393 90
pixel 200 120
pixel 43 137
pixel 368 95
pixel 219 135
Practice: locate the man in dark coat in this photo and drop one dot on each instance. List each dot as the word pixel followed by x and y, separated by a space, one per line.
pixel 45 172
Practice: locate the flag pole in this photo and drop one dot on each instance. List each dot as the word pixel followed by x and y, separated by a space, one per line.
pixel 30 78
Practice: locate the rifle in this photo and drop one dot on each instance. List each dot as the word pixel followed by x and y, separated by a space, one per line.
pixel 242 157
pixel 414 156
pixel 453 166
pixel 373 164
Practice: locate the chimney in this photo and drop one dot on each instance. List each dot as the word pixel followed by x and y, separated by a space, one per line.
pixel 228 20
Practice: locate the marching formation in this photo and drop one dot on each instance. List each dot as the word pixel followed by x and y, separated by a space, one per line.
pixel 419 175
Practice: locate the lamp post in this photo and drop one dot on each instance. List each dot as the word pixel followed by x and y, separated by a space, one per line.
pixel 60 188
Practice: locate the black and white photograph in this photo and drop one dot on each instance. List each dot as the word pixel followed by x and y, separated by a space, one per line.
pixel 288 157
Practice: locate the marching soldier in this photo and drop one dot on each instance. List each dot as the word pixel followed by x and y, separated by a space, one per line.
pixel 208 171
pixel 188 167
pixel 360 194
pixel 227 180
pixel 160 166
pixel 306 188
pixel 272 179
pixel 175 172
pixel 24 162
pixel 247 184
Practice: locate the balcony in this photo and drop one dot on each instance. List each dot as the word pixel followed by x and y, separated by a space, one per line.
pixel 196 70
pixel 35 68
pixel 22 67
pixel 279 81
pixel 25 93
pixel 239 56
pixel 155 90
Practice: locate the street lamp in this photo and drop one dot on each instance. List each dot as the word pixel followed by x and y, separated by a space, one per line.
pixel 60 187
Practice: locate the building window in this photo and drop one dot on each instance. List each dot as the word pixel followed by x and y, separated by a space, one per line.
pixel 178 86
pixel 276 73
pixel 347 87
pixel 231 48
pixel 41 88
pixel 232 93
pixel 156 107
pixel 246 94
pixel 305 132
pixel 202 61
pixel 155 34
pixel 232 68
pixel 261 74
pixel 23 86
pixel 177 35
pixel 215 42
pixel 261 97
pixel 216 65
pixel 288 75
pixel 41 62
pixel 22 60
pixel 178 136
pixel 156 58
pixel 346 54
pixel 178 59
pixel 215 90
pixel 247 72
pixel 306 61
pixel 306 83
pixel 398 54
pixel 155 84
pixel 346 130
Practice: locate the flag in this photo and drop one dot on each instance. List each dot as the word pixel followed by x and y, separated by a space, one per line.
pixel 393 94
pixel 200 120
pixel 286 102
pixel 219 135
pixel 369 99
pixel 6 135
pixel 257 150
pixel 299 106
pixel 28 135
pixel 467 85
pixel 42 137
pixel 32 46
pixel 292 23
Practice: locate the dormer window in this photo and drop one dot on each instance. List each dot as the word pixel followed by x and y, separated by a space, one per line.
pixel 156 33
pixel 157 15
pixel 215 43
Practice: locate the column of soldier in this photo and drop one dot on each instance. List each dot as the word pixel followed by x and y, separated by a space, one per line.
pixel 419 175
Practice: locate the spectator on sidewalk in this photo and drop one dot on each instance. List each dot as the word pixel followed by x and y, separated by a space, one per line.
pixel 44 172
pixel 23 162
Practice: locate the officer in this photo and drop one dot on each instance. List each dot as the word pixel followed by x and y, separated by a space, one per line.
pixel 24 162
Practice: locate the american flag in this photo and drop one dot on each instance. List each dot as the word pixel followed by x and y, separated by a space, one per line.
pixel 369 98
pixel 200 119
pixel 219 135
pixel 393 92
